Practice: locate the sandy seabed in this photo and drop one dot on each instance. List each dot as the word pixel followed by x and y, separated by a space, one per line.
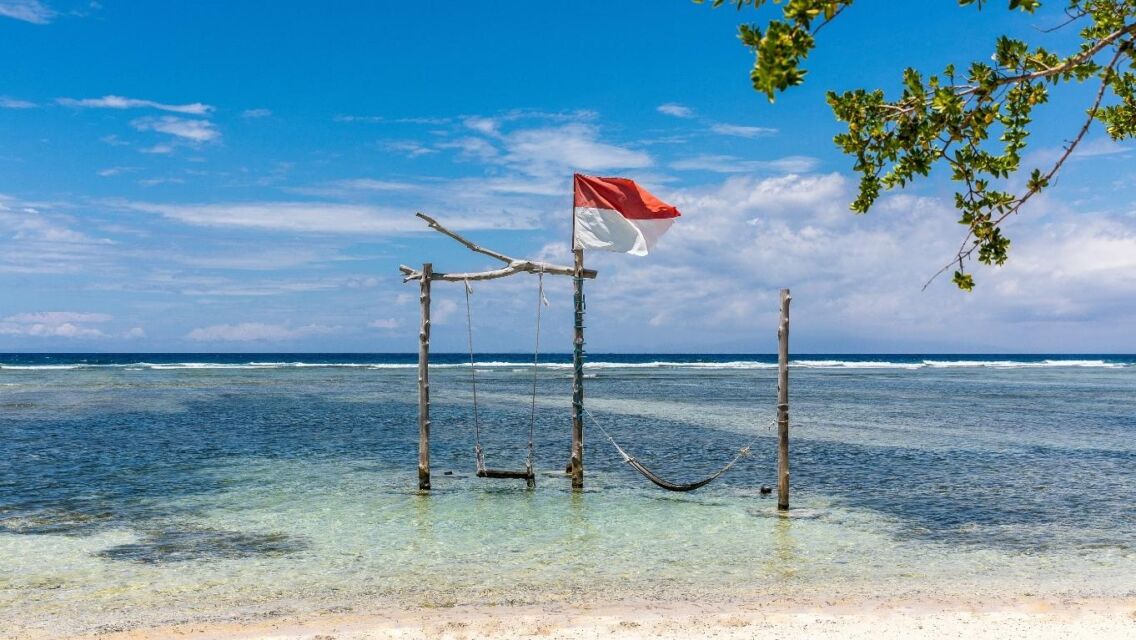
pixel 1036 619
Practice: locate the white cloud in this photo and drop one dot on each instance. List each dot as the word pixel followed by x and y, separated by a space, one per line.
pixel 317 217
pixel 471 147
pixel 29 224
pixel 797 194
pixel 134 333
pixel 754 236
pixel 361 282
pixel 353 188
pixel 114 171
pixel 33 241
pixel 487 126
pixel 442 311
pixel 742 131
pixel 576 115
pixel 675 110
pixel 193 130
pixel 255 331
pixel 57 317
pixel 409 148
pixel 256 113
pixel 12 103
pixel 255 257
pixel 1071 267
pixel 1101 147
pixel 857 280
pixel 384 324
pixel 158 149
pixel 32 11
pixel 214 286
pixel 53 324
pixel 65 330
pixel 383 120
pixel 572 146
pixel 119 102
pixel 370 184
pixel 153 182
pixel 732 164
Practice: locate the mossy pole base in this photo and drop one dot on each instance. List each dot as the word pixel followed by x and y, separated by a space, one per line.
pixel 783 404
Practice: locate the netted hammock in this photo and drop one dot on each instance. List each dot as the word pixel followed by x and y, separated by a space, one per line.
pixel 654 477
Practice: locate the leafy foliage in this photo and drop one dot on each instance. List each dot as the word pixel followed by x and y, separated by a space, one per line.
pixel 975 121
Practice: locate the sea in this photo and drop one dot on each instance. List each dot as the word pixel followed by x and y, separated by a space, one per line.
pixel 151 489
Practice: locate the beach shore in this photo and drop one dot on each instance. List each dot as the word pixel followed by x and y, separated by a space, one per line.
pixel 1036 619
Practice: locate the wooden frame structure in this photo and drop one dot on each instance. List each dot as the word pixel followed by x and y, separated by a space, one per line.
pixel 513 266
pixel 426 276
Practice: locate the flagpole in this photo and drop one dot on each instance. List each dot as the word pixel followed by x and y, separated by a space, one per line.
pixel 576 462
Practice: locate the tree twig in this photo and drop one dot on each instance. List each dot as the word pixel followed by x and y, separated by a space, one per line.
pixel 1072 17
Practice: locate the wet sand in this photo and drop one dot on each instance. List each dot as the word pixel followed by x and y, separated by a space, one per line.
pixel 1041 618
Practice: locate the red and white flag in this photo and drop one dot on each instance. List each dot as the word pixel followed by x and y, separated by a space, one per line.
pixel 615 214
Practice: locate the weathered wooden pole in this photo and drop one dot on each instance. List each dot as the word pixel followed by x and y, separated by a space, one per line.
pixel 783 404
pixel 424 381
pixel 576 464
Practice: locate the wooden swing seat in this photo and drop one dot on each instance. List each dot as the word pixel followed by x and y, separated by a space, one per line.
pixel 524 474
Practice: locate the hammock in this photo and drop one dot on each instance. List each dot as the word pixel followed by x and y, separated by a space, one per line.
pixel 670 486
pixel 655 478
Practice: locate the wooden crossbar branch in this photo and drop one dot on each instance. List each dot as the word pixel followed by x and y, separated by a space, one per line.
pixel 512 267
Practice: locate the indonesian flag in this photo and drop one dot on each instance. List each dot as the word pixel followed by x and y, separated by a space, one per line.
pixel 615 214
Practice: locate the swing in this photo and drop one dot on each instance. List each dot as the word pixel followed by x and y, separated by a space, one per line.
pixel 527 474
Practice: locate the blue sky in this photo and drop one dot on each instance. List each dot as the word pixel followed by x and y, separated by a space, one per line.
pixel 188 176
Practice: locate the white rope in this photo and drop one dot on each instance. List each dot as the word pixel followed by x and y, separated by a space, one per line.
pixel 540 300
pixel 477 451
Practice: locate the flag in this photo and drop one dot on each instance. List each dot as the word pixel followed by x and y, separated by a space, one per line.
pixel 615 214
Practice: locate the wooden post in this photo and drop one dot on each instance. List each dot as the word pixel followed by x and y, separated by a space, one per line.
pixel 783 404
pixel 424 381
pixel 576 463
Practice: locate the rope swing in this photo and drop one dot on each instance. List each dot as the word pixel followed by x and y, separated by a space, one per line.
pixel 528 474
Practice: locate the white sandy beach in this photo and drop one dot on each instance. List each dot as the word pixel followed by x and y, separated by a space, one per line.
pixel 1038 619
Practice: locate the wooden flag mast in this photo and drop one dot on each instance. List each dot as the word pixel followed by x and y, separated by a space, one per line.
pixel 513 266
pixel 576 461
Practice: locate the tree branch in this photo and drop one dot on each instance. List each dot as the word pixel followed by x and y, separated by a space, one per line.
pixel 436 226
pixel 514 266
pixel 1072 61
pixel 965 253
pixel 518 266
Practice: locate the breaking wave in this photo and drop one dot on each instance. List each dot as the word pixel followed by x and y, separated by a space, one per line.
pixel 898 364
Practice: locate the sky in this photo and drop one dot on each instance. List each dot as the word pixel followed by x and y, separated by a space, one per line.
pixel 243 177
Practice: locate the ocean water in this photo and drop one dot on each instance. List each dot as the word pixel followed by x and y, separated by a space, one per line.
pixel 152 489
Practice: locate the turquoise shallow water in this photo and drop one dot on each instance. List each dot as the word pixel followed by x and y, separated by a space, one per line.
pixel 149 489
